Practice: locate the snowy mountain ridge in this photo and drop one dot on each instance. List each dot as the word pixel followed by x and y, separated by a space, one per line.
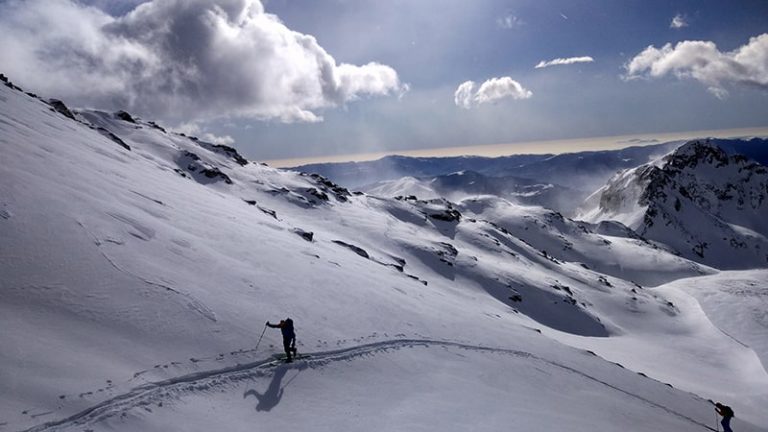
pixel 139 266
pixel 560 182
pixel 585 171
pixel 708 205
pixel 464 184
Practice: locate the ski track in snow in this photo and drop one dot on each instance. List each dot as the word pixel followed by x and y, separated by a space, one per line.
pixel 154 392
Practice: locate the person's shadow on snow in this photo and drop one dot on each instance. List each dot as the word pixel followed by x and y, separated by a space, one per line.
pixel 271 397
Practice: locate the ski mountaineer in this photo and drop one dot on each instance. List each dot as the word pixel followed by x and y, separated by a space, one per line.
pixel 727 413
pixel 289 337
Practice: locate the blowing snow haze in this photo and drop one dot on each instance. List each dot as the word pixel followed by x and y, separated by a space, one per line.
pixel 157 275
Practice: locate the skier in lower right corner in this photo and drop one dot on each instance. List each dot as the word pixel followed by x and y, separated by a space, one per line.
pixel 727 413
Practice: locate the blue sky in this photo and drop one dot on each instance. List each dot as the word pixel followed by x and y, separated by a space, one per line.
pixel 424 50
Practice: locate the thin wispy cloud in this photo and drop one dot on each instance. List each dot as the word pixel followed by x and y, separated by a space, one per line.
pixel 509 22
pixel 564 61
pixel 469 94
pixel 704 62
pixel 179 59
pixel 678 22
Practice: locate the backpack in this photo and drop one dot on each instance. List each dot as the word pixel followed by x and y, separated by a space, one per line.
pixel 728 411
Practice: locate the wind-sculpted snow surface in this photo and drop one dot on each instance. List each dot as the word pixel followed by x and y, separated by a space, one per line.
pixel 166 255
pixel 737 303
pixel 613 250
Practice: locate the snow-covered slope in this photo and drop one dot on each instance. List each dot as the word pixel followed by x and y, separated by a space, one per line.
pixel 730 304
pixel 139 265
pixel 463 184
pixel 404 186
pixel 706 204
pixel 611 249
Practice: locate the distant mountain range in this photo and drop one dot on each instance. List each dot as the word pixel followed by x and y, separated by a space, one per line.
pixel 560 182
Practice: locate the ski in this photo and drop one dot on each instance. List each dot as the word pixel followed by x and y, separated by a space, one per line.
pixel 281 358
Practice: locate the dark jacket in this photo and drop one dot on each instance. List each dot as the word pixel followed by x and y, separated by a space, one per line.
pixel 286 327
pixel 724 410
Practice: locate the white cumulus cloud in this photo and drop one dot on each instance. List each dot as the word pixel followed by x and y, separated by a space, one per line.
pixel 468 94
pixel 678 22
pixel 564 61
pixel 181 59
pixel 704 62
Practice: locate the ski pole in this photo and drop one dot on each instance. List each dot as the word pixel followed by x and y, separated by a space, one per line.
pixel 262 335
pixel 717 425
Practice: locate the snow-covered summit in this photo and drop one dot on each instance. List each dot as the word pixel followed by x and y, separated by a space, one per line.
pixel 708 205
